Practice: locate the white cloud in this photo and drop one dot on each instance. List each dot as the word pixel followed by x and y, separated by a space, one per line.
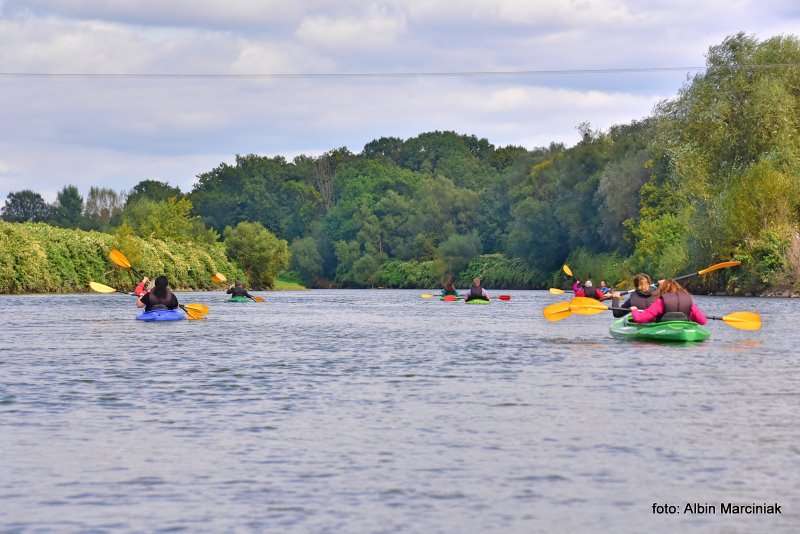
pixel 375 29
pixel 116 132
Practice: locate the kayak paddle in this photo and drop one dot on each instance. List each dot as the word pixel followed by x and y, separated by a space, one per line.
pixel 740 320
pixel 701 272
pixel 587 306
pixel 557 311
pixel 120 260
pixel 102 288
pixel 711 269
pixel 557 291
pixel 194 311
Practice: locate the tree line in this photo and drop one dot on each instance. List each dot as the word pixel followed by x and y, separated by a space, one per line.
pixel 712 174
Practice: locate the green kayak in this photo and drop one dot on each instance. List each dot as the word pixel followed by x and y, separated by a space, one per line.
pixel 477 301
pixel 680 331
pixel 239 299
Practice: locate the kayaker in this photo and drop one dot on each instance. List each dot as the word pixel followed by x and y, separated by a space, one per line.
pixel 641 297
pixel 449 287
pixel 587 289
pixel 237 290
pixel 141 287
pixel 160 298
pixel 476 292
pixel 673 303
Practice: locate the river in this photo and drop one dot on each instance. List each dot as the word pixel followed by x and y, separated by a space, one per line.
pixel 379 411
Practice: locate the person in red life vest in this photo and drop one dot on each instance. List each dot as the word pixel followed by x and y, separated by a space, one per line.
pixel 587 289
pixel 674 303
pixel 141 287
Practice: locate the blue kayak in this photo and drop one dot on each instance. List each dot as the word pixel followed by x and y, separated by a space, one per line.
pixel 161 315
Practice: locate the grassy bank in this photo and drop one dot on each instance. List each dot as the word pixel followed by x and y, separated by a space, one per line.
pixel 39 258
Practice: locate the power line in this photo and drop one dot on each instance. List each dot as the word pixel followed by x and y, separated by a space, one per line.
pixel 345 75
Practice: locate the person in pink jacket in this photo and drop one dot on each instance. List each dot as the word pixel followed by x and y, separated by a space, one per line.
pixel 673 303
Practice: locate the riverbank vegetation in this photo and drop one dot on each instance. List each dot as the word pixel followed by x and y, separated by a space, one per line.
pixel 713 173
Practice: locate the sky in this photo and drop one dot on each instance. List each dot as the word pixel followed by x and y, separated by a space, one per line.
pixel 115 132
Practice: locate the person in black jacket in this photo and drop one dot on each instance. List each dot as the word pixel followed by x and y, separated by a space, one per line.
pixel 237 290
pixel 641 297
pixel 160 298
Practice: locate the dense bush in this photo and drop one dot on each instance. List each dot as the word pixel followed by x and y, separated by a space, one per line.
pixel 409 274
pixel 36 257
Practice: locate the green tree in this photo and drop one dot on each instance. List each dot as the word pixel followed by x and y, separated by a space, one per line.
pixel 169 219
pixel 103 207
pixel 458 250
pixel 68 210
pixel 306 259
pixel 258 252
pixel 153 190
pixel 25 205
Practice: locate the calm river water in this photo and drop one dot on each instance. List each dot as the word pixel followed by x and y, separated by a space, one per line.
pixel 378 411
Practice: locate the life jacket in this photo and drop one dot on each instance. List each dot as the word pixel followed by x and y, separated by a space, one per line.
pixel 589 292
pixel 677 306
pixel 161 303
pixel 642 300
pixel 476 292
pixel 238 291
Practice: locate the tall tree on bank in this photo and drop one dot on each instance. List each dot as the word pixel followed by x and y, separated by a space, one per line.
pixel 68 209
pixel 25 206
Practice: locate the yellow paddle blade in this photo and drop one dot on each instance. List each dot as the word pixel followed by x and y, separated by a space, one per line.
pixel 426 296
pixel 586 306
pixel 567 270
pixel 743 320
pixel 196 306
pixel 557 311
pixel 259 299
pixel 119 259
pixel 195 311
pixel 556 291
pixel 718 266
pixel 219 278
pixel 101 288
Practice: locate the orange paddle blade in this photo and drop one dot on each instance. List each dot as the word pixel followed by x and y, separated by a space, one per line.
pixel 718 266
pixel 119 259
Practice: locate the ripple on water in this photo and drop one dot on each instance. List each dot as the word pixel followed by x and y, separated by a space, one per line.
pixel 377 411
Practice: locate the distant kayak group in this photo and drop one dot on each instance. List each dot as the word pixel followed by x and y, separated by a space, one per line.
pixel 476 294
pixel 161 304
pixel 659 312
pixel 655 312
